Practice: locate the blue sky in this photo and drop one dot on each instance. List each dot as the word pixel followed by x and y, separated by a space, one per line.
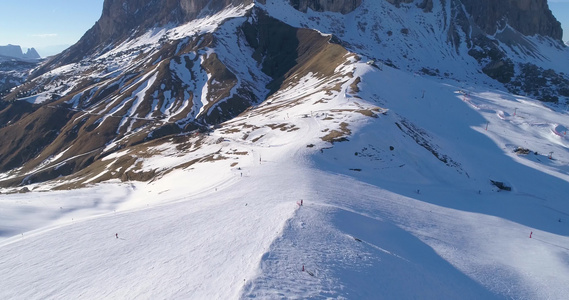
pixel 50 26
pixel 560 9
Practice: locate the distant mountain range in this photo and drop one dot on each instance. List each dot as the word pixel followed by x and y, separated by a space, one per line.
pixel 15 51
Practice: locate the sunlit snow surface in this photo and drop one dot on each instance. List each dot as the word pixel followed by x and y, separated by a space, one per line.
pixel 381 224
pixel 383 217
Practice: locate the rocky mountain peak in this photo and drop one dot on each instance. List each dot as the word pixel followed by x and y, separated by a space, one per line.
pixel 15 51
pixel 122 16
pixel 529 17
pixel 32 54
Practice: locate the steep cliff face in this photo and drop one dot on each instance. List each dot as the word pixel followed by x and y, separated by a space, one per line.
pixel 529 17
pixel 14 51
pixel 121 18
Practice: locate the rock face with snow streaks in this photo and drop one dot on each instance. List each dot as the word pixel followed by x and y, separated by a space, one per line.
pixel 529 17
pixel 149 70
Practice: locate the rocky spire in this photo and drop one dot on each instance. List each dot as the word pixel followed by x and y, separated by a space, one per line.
pixel 32 54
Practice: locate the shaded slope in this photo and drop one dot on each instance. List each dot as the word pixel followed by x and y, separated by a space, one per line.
pixel 128 96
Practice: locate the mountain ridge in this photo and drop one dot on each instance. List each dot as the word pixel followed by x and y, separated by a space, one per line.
pixel 15 51
pixel 121 18
pixel 181 77
pixel 341 148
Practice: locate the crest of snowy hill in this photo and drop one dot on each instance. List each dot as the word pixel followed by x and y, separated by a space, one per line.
pixel 320 132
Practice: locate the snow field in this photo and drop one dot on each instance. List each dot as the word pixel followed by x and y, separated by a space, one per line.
pixel 384 224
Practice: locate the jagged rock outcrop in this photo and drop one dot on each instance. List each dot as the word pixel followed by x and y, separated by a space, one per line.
pixel 121 18
pixel 11 51
pixel 15 51
pixel 489 34
pixel 32 54
pixel 341 6
pixel 529 17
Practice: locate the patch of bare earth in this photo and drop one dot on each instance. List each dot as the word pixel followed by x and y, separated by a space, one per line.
pixel 338 135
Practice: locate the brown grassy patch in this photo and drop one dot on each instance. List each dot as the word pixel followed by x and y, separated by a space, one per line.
pixel 367 113
pixel 283 127
pixel 235 152
pixel 212 158
pixel 231 130
pixel 257 138
pixel 354 86
pixel 337 135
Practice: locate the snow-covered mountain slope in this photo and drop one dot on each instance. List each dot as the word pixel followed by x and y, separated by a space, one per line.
pixel 182 77
pixel 262 152
pixel 404 209
pixel 443 42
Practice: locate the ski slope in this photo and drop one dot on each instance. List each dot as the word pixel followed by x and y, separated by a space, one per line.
pixel 403 210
